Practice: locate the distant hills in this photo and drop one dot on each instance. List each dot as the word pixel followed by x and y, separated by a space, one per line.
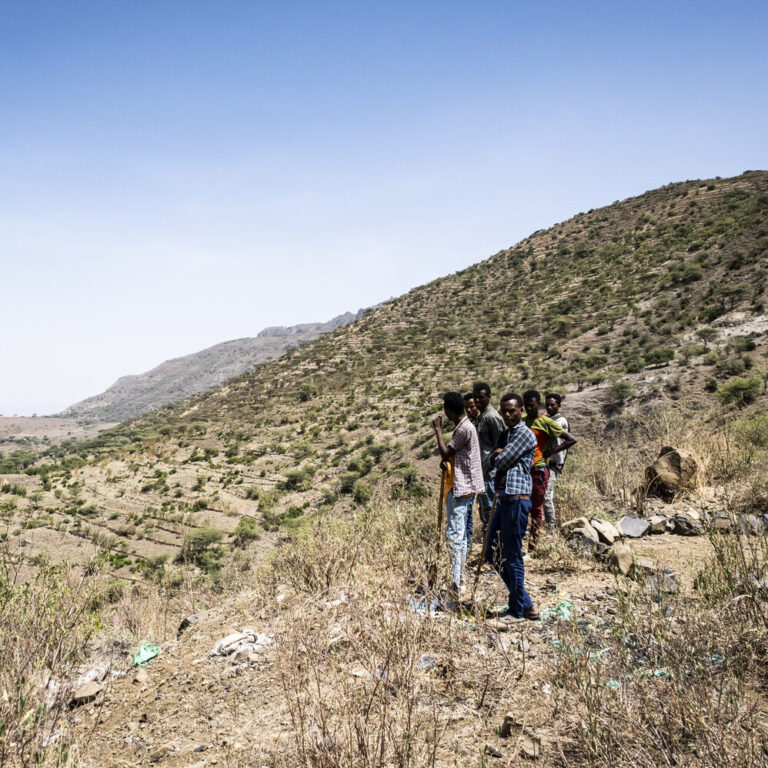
pixel 177 379
pixel 661 298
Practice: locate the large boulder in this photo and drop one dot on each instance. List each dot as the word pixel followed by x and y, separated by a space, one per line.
pixel 583 540
pixel 570 525
pixel 605 530
pixel 619 557
pixel 687 525
pixel 633 527
pixel 673 472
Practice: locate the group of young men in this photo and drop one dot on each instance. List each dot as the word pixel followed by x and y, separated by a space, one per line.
pixel 509 460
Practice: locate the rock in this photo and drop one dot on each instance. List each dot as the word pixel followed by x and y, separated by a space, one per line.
pixel 601 550
pixel 492 751
pixel 754 524
pixel 633 527
pixel 84 694
pixel 141 676
pixel 530 747
pixel 658 524
pixel 722 522
pixel 158 754
pixel 509 726
pixel 583 540
pixel 643 567
pixel 569 525
pixel 605 530
pixel 187 622
pixel 686 525
pixel 619 558
pixel 663 581
pixel 673 471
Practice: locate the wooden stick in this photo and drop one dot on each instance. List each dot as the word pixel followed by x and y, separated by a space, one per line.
pixel 440 506
pixel 485 544
pixel 432 576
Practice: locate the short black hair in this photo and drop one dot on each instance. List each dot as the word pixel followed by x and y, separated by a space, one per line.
pixel 554 396
pixel 481 386
pixel 454 402
pixel 469 396
pixel 513 396
pixel 529 394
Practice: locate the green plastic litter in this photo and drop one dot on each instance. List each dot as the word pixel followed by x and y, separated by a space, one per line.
pixel 146 653
pixel 563 610
pixel 614 685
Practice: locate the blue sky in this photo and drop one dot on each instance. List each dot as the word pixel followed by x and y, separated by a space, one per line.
pixel 175 174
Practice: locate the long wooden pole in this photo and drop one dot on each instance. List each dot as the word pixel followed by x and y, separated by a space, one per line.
pixel 433 569
pixel 485 544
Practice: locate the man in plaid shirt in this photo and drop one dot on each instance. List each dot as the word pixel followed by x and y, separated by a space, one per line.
pixel 512 460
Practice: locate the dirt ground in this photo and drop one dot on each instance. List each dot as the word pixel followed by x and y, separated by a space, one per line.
pixel 41 431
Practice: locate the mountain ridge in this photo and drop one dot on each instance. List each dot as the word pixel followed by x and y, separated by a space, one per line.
pixel 180 377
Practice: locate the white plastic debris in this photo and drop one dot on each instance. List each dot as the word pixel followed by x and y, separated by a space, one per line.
pixel 241 644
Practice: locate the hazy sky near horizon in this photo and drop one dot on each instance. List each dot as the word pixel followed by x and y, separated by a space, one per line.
pixel 176 174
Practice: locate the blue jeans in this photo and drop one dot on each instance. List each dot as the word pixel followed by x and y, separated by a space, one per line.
pixel 485 502
pixel 456 533
pixel 505 549
pixel 470 529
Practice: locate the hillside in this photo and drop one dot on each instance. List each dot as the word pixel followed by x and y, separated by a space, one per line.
pixel 177 379
pixel 298 499
pixel 657 297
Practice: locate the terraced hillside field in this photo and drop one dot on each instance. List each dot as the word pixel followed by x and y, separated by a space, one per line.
pixel 657 297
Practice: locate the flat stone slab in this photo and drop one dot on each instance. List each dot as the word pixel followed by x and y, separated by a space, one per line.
pixel 605 530
pixel 84 694
pixel 570 525
pixel 633 527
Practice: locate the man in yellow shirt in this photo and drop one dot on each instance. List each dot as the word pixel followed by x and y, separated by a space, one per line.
pixel 550 438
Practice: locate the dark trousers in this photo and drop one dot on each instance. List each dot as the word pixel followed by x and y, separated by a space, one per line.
pixel 540 478
pixel 504 550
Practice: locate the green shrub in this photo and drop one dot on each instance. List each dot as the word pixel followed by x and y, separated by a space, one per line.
pixel 740 390
pixel 753 429
pixel 330 496
pixel 659 355
pixel 252 492
pixel 246 531
pixel 298 479
pixel 202 548
pixel 348 480
pixel 710 385
pixel 361 492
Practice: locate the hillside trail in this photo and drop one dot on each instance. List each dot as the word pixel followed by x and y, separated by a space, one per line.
pixel 188 709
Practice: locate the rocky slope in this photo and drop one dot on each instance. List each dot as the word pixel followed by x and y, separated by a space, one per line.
pixel 176 379
pixel 298 500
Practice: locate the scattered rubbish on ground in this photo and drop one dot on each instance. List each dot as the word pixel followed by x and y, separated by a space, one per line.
pixel 563 610
pixel 241 644
pixel 145 654
pixel 426 662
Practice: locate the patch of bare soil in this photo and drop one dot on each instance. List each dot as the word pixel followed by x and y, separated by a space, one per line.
pixel 40 432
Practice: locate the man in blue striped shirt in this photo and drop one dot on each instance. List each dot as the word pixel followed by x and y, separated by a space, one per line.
pixel 512 460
